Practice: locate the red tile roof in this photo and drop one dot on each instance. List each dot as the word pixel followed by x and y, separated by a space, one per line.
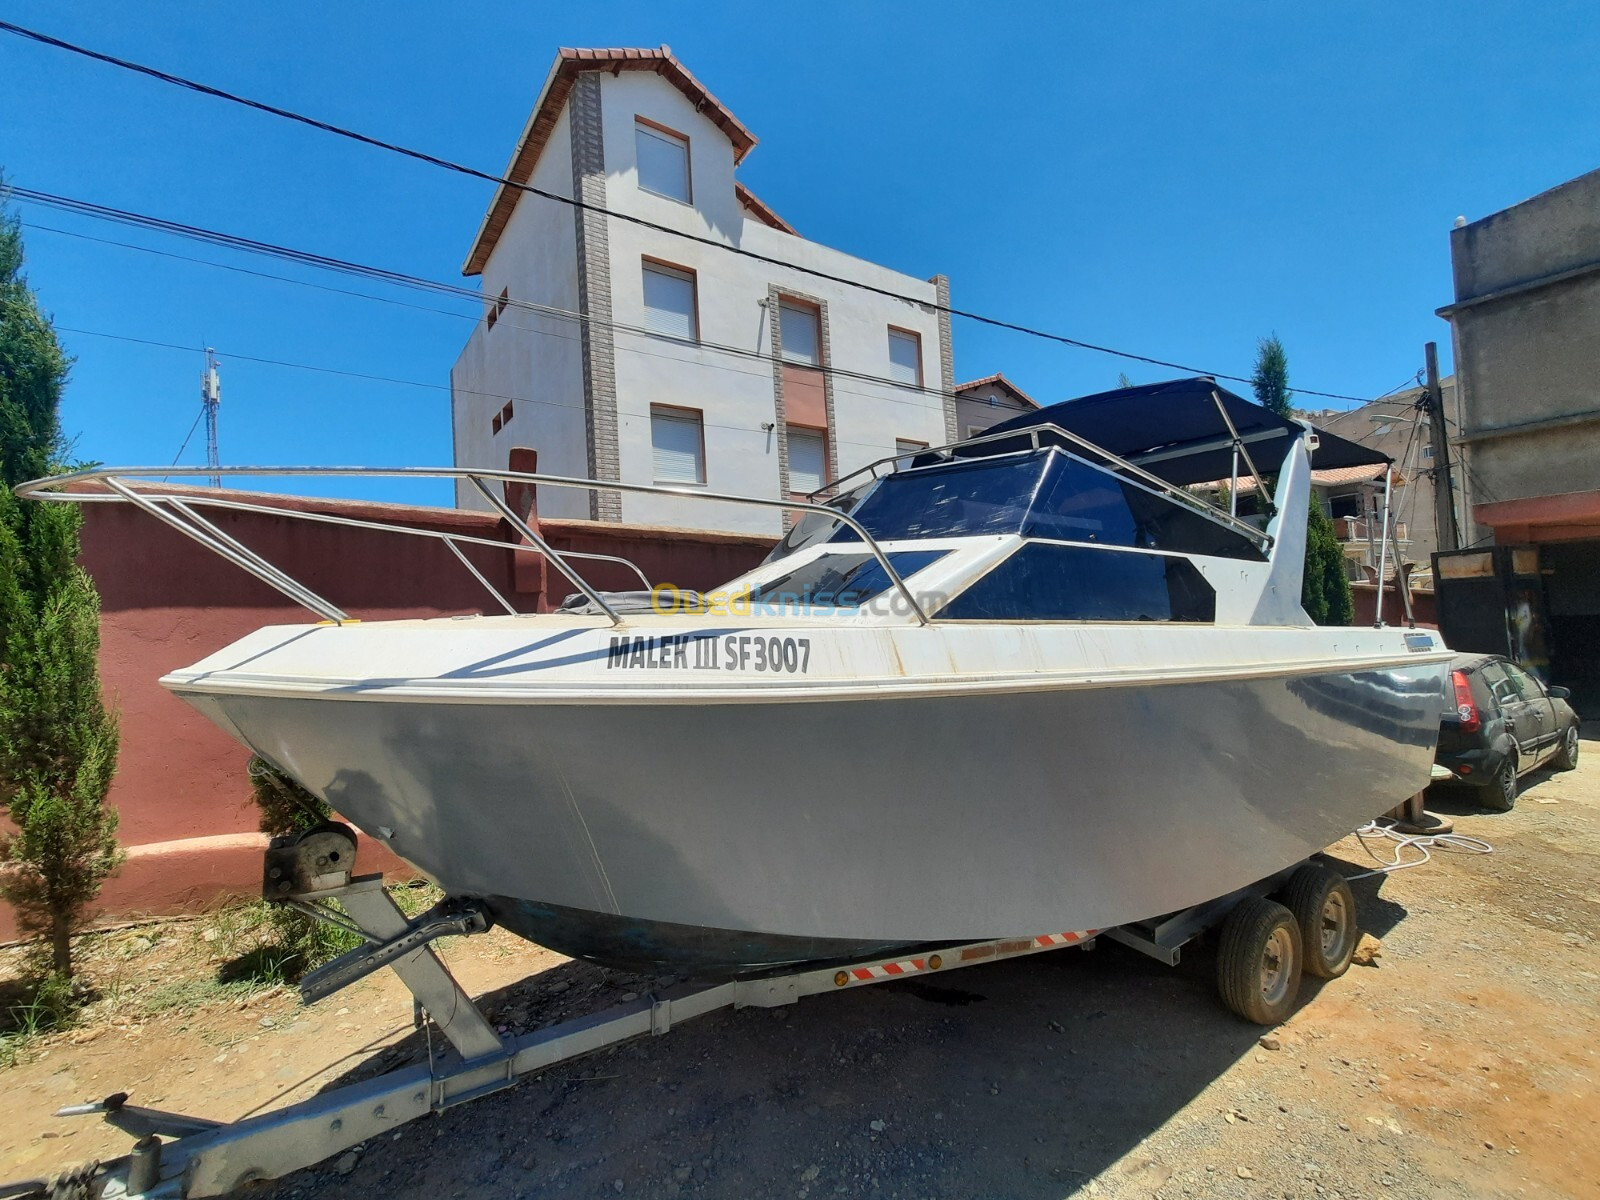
pixel 760 211
pixel 1003 382
pixel 569 64
pixel 1331 477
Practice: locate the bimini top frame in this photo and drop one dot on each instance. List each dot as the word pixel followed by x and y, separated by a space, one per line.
pixel 178 508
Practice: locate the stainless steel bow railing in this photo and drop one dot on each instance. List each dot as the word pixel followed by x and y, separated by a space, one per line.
pixel 177 508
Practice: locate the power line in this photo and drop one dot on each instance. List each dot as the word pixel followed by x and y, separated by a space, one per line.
pixel 400 279
pixel 322 287
pixel 489 177
pixel 388 379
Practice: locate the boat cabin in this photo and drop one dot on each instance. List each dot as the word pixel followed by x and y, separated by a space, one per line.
pixel 1035 521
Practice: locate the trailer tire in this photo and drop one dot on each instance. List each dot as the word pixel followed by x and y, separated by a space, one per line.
pixel 1325 909
pixel 1259 961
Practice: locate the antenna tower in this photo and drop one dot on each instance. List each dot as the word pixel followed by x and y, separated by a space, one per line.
pixel 210 399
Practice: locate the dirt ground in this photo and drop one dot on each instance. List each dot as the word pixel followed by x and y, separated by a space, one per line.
pixel 1462 1064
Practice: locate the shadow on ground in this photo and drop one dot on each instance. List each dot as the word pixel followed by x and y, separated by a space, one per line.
pixel 1022 1078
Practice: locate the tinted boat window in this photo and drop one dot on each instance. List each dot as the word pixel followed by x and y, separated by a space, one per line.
pixel 842 579
pixel 958 500
pixel 1048 495
pixel 1081 503
pixel 813 527
pixel 1043 582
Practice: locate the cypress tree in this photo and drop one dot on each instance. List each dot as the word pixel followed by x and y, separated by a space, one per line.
pixel 1270 381
pixel 1325 589
pixel 58 743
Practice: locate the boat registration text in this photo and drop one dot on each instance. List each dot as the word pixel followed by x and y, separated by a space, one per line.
pixel 711 652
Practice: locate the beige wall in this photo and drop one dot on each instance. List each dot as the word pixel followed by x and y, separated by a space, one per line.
pixel 1526 329
pixel 985 406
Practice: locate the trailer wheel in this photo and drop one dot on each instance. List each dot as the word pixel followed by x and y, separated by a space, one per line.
pixel 1258 961
pixel 1325 909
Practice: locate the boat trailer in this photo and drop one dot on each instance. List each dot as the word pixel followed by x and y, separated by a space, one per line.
pixel 1262 949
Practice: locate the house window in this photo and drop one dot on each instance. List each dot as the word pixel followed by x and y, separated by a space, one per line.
pixel 506 414
pixel 677 444
pixel 808 460
pixel 1347 505
pixel 499 306
pixel 905 356
pixel 800 329
pixel 670 302
pixel 663 160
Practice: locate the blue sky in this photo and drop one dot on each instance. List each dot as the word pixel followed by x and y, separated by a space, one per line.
pixel 1173 179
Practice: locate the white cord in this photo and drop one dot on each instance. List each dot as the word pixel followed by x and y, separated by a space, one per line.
pixel 1422 841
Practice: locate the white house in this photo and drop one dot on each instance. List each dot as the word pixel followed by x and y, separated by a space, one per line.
pixel 691 364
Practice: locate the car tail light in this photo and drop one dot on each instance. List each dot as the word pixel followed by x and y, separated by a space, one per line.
pixel 1466 710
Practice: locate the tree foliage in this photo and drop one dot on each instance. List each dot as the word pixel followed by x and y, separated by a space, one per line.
pixel 58 742
pixel 1270 381
pixel 1325 588
pixel 284 805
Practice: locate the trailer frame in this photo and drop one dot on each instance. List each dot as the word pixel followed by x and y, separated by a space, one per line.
pixel 209 1158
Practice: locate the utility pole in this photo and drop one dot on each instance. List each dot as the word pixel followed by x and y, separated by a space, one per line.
pixel 1444 499
pixel 210 399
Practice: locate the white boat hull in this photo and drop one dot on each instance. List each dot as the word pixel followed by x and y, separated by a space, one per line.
pixel 741 829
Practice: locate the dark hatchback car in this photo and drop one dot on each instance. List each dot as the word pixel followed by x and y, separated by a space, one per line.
pixel 1503 724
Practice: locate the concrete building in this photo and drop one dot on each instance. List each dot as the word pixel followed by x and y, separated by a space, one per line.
pixel 692 364
pixel 1351 496
pixel 1526 330
pixel 988 401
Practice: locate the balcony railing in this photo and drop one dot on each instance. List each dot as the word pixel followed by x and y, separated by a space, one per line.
pixel 1359 529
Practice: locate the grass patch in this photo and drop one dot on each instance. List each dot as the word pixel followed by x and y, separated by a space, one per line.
pixel 174 967
pixel 266 944
pixel 188 995
pixel 36 1005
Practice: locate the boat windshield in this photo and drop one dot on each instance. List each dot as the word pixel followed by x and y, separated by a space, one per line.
pixel 1045 494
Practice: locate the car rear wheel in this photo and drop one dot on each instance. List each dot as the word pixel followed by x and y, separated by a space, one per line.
pixel 1566 758
pixel 1500 793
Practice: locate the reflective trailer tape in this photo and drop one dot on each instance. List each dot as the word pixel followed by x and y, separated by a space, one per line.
pixel 1062 939
pixel 913 966
pixel 908 966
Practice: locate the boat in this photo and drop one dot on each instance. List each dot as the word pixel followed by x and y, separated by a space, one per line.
pixel 1045 679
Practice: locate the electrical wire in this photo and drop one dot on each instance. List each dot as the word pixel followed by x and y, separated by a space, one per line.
pixel 192 428
pixel 1425 842
pixel 400 279
pixel 583 206
pixel 228 355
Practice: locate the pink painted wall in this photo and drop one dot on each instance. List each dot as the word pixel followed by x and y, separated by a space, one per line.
pixel 187 817
pixel 1365 595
